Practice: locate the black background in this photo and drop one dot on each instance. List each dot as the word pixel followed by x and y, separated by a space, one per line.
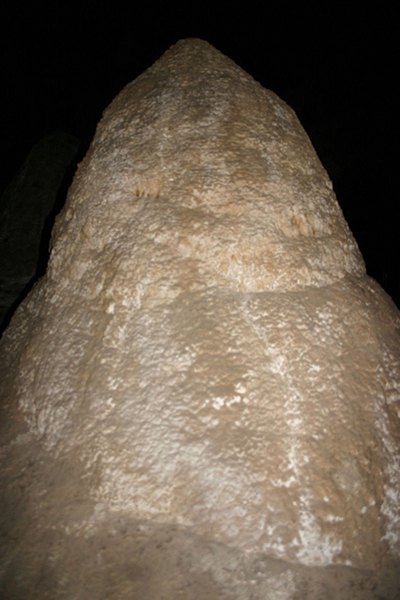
pixel 334 64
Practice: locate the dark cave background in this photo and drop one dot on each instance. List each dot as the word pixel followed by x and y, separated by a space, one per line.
pixel 335 66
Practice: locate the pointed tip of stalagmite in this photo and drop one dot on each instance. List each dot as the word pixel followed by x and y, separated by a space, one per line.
pixel 198 131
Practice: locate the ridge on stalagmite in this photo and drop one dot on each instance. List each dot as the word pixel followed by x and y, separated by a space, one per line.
pixel 200 398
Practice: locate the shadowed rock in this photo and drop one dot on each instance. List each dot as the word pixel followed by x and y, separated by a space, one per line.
pixel 25 207
pixel 201 396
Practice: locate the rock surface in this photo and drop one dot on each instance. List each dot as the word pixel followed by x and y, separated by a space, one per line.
pixel 201 396
pixel 25 205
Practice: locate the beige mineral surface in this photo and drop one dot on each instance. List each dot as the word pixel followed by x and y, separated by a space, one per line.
pixel 201 397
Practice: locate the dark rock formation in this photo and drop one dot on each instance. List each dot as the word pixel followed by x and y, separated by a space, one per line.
pixel 25 207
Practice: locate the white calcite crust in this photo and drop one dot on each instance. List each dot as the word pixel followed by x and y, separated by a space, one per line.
pixel 206 350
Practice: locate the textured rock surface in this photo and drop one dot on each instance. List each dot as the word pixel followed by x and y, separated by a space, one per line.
pixel 201 396
pixel 24 207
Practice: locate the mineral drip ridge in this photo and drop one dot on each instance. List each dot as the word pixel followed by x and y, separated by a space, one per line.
pixel 166 368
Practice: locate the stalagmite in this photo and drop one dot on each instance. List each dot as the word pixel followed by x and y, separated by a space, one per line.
pixel 201 397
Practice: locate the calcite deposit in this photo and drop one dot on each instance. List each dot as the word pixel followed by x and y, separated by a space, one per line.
pixel 200 398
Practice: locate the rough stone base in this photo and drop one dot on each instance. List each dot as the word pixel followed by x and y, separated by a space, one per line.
pixel 57 543
pixel 141 561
